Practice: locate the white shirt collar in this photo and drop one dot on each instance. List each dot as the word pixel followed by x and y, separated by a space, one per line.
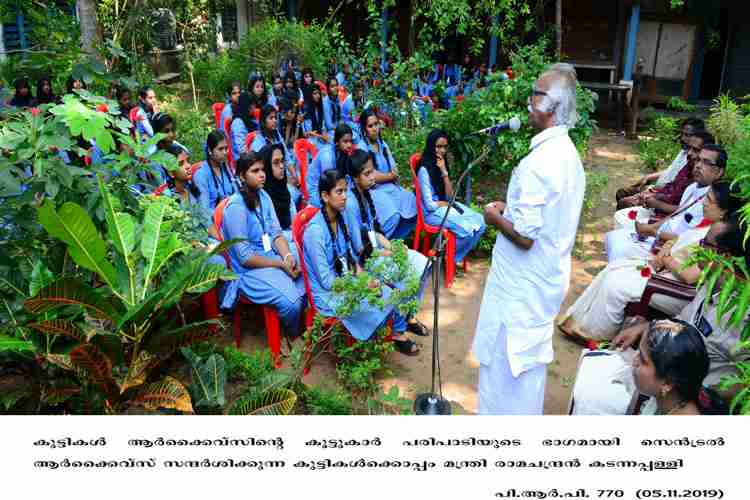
pixel 547 134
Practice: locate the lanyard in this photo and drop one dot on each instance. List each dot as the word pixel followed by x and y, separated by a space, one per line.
pixel 259 214
pixel 221 193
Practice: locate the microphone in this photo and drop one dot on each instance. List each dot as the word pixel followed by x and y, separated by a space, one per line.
pixel 513 124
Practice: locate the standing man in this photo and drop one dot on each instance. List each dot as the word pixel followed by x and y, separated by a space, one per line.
pixel 531 259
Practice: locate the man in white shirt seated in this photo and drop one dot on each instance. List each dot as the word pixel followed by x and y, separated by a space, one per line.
pixel 530 269
pixel 688 127
pixel 636 242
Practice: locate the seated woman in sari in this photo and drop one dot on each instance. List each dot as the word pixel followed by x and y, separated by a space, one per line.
pixel 396 206
pixel 600 310
pixel 281 192
pixel 331 156
pixel 328 254
pixel 268 271
pixel 436 191
pixel 626 244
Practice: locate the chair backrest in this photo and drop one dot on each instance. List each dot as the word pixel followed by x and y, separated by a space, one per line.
pixel 413 164
pixel 298 233
pixel 228 135
pixel 194 168
pixel 303 147
pixel 323 87
pixel 217 108
pixel 133 116
pixel 219 217
pixel 256 115
pixel 249 140
pixel 160 190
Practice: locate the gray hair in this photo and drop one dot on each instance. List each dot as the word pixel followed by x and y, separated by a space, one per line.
pixel 561 94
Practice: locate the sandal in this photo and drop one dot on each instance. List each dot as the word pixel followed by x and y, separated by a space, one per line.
pixel 406 347
pixel 418 328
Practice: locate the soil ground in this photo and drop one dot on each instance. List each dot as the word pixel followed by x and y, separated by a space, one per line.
pixel 609 153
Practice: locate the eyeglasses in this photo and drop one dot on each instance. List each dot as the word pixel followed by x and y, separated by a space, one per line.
pixel 535 91
pixel 709 163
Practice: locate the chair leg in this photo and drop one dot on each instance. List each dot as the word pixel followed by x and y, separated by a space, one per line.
pixel 466 264
pixel 426 244
pixel 273 332
pixel 417 231
pixel 450 260
pixel 236 325
pixel 210 302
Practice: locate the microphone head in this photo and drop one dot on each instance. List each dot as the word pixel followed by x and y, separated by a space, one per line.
pixel 514 124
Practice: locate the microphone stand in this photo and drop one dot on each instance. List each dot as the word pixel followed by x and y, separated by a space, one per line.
pixel 433 403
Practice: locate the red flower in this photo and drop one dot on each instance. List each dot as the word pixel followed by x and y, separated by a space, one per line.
pixel 102 108
pixel 646 272
pixel 35 111
pixel 591 345
pixel 632 214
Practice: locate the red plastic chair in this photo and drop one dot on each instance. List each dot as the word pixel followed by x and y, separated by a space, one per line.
pixel 228 135
pixel 323 87
pixel 217 108
pixel 270 315
pixel 249 140
pixel 659 285
pixel 427 229
pixel 303 148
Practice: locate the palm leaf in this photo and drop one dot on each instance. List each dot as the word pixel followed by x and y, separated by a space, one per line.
pixel 274 402
pixel 73 226
pixel 63 327
pixel 152 233
pixel 168 393
pixel 12 344
pixel 70 291
pixel 94 363
pixel 137 372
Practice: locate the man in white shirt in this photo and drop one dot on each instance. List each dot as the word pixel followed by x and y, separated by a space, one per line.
pixel 531 259
pixel 688 128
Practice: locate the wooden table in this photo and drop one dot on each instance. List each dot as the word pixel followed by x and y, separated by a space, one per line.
pixel 603 65
pixel 619 90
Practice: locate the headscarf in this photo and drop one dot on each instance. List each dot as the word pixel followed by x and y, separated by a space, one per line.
pixel 429 162
pixel 242 111
pixel 277 188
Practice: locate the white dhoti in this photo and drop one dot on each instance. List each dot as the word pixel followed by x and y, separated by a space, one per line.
pixel 623 219
pixel 500 393
pixel 624 244
pixel 604 383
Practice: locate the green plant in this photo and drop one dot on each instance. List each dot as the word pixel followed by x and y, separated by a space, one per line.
pixel 249 368
pixel 596 182
pixel 321 401
pixel 271 395
pixel 209 377
pixel 678 104
pixel 111 336
pixel 724 121
pixel 390 403
pixel 660 143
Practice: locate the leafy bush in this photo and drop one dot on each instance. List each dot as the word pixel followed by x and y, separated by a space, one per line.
pixel 678 104
pixel 247 367
pixel 321 401
pixel 724 121
pixel 659 145
pixel 263 49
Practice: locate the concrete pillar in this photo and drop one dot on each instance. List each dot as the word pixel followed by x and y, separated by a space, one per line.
pixel 632 41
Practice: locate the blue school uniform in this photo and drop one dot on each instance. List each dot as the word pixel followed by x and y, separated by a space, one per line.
pixel 333 113
pixel 239 135
pixel 319 261
pixel 143 126
pixel 396 206
pixel 226 114
pixel 468 226
pixel 326 160
pixel 213 188
pixel 307 126
pixel 264 285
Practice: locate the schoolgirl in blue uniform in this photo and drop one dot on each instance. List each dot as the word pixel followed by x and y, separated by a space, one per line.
pixel 315 123
pixel 332 156
pixel 328 254
pixel 436 190
pixel 396 206
pixel 268 271
pixel 233 93
pixel 283 195
pixel 242 124
pixel 213 179
pixel 269 134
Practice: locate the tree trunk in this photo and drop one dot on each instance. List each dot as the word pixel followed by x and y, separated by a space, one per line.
pixel 90 34
pixel 558 27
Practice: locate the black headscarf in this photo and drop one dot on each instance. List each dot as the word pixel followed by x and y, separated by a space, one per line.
pixel 429 161
pixel 277 188
pixel 314 111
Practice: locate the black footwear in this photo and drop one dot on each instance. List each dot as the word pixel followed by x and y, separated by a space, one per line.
pixel 418 328
pixel 406 347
